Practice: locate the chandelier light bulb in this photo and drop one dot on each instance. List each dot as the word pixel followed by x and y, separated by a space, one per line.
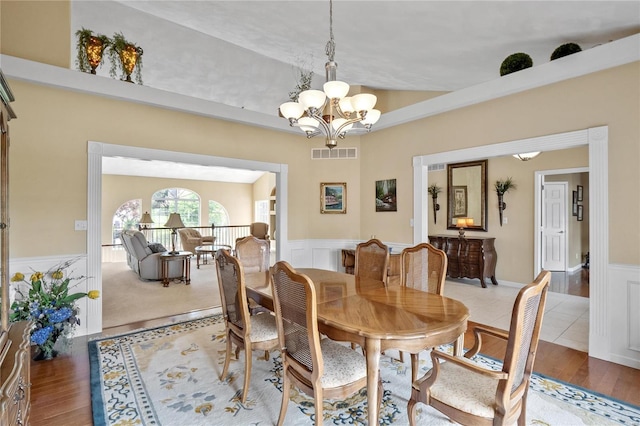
pixel 363 101
pixel 291 110
pixel 312 99
pixel 336 89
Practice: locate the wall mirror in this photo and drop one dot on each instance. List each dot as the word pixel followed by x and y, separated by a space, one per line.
pixel 467 194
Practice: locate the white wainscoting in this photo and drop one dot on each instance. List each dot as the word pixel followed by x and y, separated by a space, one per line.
pixel 623 305
pixel 29 265
pixel 325 254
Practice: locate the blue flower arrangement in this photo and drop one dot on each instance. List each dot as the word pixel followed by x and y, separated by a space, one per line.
pixel 49 306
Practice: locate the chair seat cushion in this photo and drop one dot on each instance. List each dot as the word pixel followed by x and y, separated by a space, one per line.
pixel 263 327
pixel 472 393
pixel 342 364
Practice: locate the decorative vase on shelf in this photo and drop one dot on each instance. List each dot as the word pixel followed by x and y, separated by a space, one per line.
pixel 94 48
pixel 129 58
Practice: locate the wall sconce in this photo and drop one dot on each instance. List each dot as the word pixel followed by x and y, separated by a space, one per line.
pixel 526 156
pixel 174 222
pixel 145 221
pixel 434 190
pixel 502 187
pixel 463 222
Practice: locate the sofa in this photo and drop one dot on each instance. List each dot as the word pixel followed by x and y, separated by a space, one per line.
pixel 144 258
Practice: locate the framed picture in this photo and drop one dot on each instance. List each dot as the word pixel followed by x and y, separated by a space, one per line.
pixel 580 193
pixel 575 203
pixel 458 201
pixel 580 212
pixel 386 196
pixel 333 197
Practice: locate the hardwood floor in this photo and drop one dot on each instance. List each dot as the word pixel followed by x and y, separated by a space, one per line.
pixel 61 391
pixel 574 283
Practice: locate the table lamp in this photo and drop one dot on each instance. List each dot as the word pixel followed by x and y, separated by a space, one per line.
pixel 174 222
pixel 463 222
pixel 145 221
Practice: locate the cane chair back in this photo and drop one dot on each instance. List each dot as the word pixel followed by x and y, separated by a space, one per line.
pixel 246 332
pixel 254 254
pixel 318 367
pixel 470 394
pixel 422 267
pixel 372 260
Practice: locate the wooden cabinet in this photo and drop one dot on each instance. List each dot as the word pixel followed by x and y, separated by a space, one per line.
pixel 469 257
pixel 15 377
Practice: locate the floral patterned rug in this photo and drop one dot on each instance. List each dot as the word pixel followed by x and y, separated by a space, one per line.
pixel 170 376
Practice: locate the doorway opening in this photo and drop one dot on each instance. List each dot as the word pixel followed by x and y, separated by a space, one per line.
pixel 563 236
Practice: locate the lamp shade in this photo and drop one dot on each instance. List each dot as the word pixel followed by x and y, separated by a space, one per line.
pixel 339 122
pixel 291 110
pixel 363 101
pixel 308 124
pixel 174 221
pixel 146 218
pixel 336 89
pixel 464 222
pixel 312 99
pixel 372 117
pixel 345 105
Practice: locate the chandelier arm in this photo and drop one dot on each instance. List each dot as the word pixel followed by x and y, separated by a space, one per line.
pixel 345 124
pixel 316 115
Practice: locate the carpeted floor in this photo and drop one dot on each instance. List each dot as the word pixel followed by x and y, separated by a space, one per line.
pixel 170 376
pixel 127 299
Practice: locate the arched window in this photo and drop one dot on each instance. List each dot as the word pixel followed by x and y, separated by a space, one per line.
pixel 179 200
pixel 217 214
pixel 127 216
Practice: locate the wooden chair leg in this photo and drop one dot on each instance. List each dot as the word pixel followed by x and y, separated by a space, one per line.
pixel 286 387
pixel 227 358
pixel 415 360
pixel 247 373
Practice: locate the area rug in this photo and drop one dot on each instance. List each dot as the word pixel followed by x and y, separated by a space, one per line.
pixel 170 376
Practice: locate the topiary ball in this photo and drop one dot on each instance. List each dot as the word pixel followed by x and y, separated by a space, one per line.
pixel 515 62
pixel 564 50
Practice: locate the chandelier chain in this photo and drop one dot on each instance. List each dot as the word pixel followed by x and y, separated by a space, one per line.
pixel 330 49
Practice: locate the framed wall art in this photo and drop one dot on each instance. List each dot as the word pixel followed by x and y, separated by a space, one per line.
pixel 574 211
pixel 386 196
pixel 333 197
pixel 458 201
pixel 580 195
pixel 580 212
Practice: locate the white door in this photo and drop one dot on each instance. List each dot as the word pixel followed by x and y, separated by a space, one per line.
pixel 554 226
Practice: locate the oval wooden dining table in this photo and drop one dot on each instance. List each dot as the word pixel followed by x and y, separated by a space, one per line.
pixel 376 317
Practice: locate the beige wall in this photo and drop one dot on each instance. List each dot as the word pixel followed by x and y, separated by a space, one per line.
pixel 236 198
pixel 49 159
pixel 605 98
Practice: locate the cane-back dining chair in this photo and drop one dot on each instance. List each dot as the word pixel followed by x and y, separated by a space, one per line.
pixel 320 367
pixel 422 267
pixel 246 332
pixel 253 253
pixel 472 395
pixel 372 260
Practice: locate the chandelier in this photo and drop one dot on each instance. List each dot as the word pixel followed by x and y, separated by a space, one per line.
pixel 330 111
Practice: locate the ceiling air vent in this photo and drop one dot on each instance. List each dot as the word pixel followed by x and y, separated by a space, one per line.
pixel 435 167
pixel 334 154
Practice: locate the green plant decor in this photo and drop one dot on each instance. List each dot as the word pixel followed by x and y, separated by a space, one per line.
pixel 116 47
pixel 503 186
pixel 515 62
pixel 565 50
pixel 46 301
pixel 434 190
pixel 83 38
pixel 304 83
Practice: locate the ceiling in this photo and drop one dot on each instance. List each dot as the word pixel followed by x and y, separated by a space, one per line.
pixel 247 54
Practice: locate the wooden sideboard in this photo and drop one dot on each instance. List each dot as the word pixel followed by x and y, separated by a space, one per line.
pixel 469 257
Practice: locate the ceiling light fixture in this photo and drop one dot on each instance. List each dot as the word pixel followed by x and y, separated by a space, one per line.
pixel 330 111
pixel 526 156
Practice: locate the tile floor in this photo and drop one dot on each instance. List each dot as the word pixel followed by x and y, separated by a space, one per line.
pixel 565 322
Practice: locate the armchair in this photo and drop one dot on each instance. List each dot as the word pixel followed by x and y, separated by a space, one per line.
pixel 191 238
pixel 259 230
